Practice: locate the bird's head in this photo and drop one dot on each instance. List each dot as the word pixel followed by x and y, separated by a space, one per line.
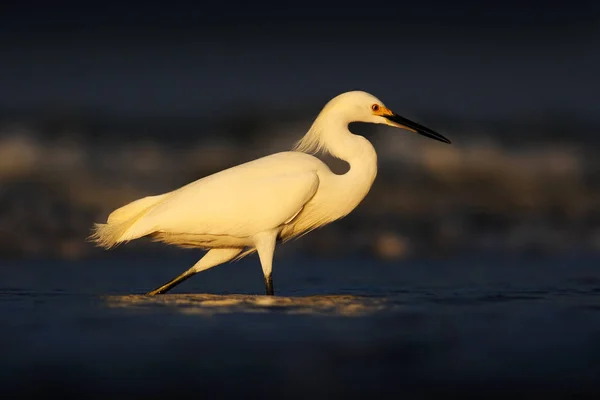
pixel 360 106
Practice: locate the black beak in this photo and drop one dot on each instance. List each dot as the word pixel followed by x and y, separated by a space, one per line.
pixel 416 127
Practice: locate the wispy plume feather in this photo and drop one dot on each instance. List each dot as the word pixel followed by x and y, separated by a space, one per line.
pixel 311 143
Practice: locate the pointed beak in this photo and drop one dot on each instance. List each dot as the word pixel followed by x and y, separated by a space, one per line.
pixel 401 122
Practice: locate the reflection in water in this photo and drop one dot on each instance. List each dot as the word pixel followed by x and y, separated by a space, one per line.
pixel 210 304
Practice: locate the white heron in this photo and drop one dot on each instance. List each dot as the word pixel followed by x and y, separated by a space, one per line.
pixel 251 206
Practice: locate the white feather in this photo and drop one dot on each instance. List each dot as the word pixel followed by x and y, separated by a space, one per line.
pixel 280 196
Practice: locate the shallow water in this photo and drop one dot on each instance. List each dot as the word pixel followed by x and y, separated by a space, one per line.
pixel 337 329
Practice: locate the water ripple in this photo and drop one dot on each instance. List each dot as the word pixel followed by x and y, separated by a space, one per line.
pixel 210 304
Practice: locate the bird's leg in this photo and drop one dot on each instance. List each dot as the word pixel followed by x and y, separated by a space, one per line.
pixel 269 285
pixel 265 246
pixel 172 283
pixel 211 259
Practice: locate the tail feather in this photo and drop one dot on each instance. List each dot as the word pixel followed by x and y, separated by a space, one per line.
pixel 115 231
pixel 133 209
pixel 109 235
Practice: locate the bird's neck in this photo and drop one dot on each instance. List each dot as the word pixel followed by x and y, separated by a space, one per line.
pixel 330 132
pixel 360 154
pixel 351 148
pixel 345 145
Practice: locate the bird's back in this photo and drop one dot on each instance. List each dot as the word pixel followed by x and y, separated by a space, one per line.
pixel 237 202
pixel 287 162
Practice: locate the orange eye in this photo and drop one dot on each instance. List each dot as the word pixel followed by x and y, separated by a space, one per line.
pixel 375 107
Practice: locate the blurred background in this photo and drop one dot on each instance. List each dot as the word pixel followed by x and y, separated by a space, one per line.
pixel 102 103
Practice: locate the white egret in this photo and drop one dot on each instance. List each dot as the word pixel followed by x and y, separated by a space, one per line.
pixel 251 206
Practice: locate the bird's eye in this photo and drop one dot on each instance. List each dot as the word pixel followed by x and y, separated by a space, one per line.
pixel 375 107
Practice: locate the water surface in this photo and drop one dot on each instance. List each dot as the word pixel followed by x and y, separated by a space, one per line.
pixel 337 329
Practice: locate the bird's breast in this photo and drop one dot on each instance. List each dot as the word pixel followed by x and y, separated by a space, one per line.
pixel 336 197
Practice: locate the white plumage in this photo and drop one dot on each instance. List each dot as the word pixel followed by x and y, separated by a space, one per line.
pixel 252 205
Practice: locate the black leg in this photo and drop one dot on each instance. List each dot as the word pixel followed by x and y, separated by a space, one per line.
pixel 269 285
pixel 171 284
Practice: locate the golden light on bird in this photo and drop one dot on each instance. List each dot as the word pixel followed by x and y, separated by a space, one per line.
pixel 249 207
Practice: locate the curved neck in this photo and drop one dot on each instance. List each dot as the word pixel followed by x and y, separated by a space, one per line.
pixel 356 150
pixel 359 153
pixel 345 145
pixel 330 133
pixel 351 148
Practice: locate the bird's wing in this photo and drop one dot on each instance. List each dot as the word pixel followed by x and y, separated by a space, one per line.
pixel 235 205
